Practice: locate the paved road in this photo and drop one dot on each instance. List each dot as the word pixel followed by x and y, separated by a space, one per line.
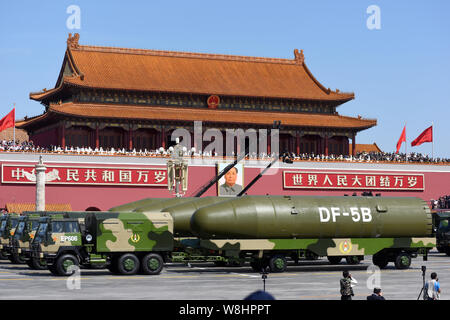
pixel 312 281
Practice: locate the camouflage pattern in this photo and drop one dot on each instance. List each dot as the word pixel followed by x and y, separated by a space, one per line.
pixel 8 225
pixel 54 240
pixel 130 232
pixel 24 233
pixel 321 247
pixel 136 204
pixel 442 225
pixel 161 204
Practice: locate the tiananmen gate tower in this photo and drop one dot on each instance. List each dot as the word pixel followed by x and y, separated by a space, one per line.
pixel 133 98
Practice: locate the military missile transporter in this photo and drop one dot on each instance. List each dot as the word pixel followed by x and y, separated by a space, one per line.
pixel 8 224
pixel 20 240
pixel 126 242
pixel 269 230
pixel 442 226
pixel 266 231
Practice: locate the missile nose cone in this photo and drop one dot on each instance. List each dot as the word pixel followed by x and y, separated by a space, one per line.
pixel 213 220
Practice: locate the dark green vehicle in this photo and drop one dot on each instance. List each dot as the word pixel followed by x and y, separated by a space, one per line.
pixel 8 224
pixel 126 242
pixel 20 241
pixel 441 222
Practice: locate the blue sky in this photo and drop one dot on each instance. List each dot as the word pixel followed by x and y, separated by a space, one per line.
pixel 399 73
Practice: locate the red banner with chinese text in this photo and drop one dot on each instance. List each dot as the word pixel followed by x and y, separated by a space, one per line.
pixel 87 175
pixel 353 181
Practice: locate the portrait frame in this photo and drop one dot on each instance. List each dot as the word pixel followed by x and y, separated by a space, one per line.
pixel 239 183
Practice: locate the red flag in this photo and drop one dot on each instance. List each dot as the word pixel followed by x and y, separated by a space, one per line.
pixel 426 136
pixel 8 121
pixel 402 139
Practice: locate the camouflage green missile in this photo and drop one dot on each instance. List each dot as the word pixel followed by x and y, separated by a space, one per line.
pixel 183 212
pixel 136 204
pixel 261 217
pixel 161 204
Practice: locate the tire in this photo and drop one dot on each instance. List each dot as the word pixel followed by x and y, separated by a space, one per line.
pixel 256 265
pixel 277 264
pixel 37 264
pixel 220 263
pixel 152 264
pixel 353 260
pixel 63 263
pixel 52 269
pixel 403 261
pixel 3 256
pixel 17 259
pixel 128 264
pixel 380 260
pixel 334 259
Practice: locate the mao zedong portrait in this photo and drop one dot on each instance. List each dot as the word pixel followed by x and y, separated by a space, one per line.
pixel 230 187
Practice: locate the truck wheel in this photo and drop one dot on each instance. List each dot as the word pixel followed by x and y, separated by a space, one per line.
pixel 353 259
pixel 278 263
pixel 63 264
pixel 128 264
pixel 17 259
pixel 256 265
pixel 37 264
pixel 152 264
pixel 403 261
pixel 334 259
pixel 380 260
pixel 3 256
pixel 52 269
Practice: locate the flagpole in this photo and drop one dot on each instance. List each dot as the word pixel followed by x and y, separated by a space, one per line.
pixel 406 144
pixel 14 128
pixel 432 141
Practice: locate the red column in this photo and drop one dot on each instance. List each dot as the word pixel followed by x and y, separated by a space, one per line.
pixel 297 145
pixel 97 140
pixel 353 144
pixel 63 135
pixel 269 141
pixel 163 138
pixel 326 145
pixel 130 139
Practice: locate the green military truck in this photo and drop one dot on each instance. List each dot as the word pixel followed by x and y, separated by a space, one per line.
pixel 8 224
pixel 127 242
pixel 441 223
pixel 20 240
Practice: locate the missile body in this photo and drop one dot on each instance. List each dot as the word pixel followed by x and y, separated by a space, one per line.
pixel 283 217
pixel 136 204
pixel 182 213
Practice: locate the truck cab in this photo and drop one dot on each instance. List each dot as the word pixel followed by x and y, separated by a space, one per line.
pixel 20 242
pixel 55 238
pixel 442 226
pixel 8 226
pixel 125 242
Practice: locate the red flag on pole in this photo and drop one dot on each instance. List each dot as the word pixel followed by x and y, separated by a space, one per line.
pixel 402 139
pixel 426 136
pixel 8 121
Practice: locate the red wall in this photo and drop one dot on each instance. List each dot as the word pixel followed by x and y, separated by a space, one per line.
pixel 104 197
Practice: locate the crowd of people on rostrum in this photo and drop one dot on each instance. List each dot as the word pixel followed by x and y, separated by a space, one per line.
pixel 28 146
pixel 441 203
